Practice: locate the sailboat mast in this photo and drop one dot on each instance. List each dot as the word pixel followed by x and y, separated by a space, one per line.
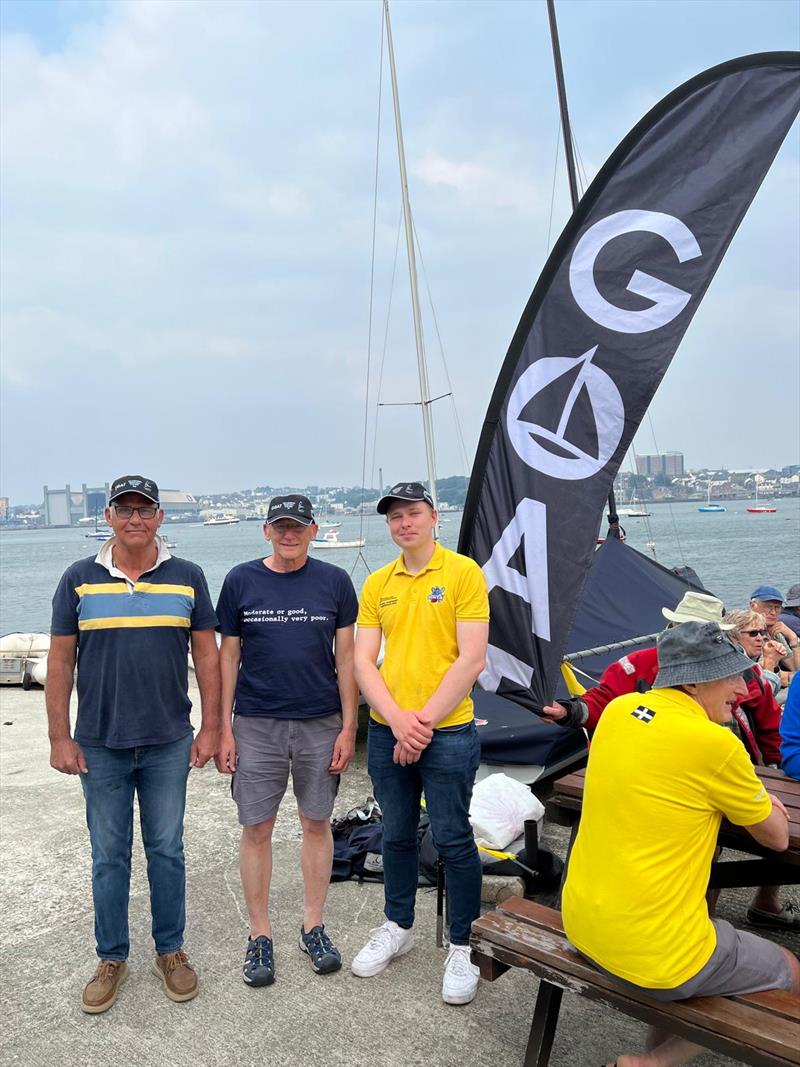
pixel 424 389
pixel 569 152
pixel 566 130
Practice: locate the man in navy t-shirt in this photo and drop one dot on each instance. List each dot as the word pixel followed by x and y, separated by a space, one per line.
pixel 128 616
pixel 288 624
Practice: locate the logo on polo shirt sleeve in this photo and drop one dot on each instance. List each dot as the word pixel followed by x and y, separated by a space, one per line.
pixel 645 714
pixel 436 595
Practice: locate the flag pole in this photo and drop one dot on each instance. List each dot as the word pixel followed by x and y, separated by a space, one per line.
pixel 569 154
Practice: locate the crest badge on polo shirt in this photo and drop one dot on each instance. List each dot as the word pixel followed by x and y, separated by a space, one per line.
pixel 436 595
pixel 644 714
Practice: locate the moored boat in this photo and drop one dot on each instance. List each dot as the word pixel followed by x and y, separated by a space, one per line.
pixel 760 509
pixel 225 519
pixel 331 540
pixel 708 506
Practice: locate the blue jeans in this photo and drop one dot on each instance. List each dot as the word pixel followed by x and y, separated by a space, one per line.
pixel 158 774
pixel 445 773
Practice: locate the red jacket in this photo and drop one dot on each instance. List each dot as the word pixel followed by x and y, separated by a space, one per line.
pixel 619 678
pixel 758 715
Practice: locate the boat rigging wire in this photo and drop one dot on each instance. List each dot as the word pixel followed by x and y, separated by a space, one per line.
pixel 669 502
pixel 385 347
pixel 451 392
pixel 553 190
pixel 650 543
pixel 360 555
pixel 583 178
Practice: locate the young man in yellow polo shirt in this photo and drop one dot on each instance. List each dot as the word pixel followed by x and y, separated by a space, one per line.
pixel 432 608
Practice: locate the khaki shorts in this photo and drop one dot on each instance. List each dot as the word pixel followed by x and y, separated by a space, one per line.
pixel 741 963
pixel 267 749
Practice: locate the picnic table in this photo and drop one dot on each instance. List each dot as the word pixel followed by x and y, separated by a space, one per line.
pixel 761 1029
pixel 771 868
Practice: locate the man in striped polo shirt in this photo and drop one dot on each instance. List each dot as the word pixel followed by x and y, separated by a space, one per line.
pixel 128 616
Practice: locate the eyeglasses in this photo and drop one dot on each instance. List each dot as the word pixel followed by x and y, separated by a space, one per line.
pixel 289 528
pixel 754 633
pixel 125 512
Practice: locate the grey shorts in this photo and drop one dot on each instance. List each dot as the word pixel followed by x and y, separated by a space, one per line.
pixel 266 749
pixel 741 963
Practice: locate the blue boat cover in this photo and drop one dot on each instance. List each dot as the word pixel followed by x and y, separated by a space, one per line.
pixel 514 735
pixel 622 599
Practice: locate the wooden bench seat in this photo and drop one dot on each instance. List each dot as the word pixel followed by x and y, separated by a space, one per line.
pixel 762 1029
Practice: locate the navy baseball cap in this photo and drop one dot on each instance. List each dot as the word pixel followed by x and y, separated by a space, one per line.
pixel 133 483
pixel 767 592
pixel 410 491
pixel 294 507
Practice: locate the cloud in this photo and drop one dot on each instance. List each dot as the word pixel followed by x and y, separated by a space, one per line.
pixel 187 212
pixel 480 185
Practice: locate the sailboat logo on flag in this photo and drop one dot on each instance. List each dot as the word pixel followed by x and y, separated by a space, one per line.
pixel 590 416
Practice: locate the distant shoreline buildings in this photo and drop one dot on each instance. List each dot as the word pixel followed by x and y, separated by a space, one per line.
pixel 659 478
pixel 72 507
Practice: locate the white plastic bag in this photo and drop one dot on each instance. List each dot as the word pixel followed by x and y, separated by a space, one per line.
pixel 500 805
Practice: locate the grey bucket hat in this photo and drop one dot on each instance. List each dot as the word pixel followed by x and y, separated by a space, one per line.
pixel 793 597
pixel 697 652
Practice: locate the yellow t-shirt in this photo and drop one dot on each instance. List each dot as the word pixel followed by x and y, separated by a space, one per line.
pixel 417 614
pixel 660 777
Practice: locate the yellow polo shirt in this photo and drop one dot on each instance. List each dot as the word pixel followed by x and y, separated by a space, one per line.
pixel 418 614
pixel 660 777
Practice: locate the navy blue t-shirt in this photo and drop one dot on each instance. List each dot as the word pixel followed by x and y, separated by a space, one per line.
pixel 133 662
pixel 286 624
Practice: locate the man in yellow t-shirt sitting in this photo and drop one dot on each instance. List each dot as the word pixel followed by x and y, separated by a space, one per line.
pixel 662 774
pixel 432 608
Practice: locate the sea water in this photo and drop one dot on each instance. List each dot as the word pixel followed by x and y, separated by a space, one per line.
pixel 732 552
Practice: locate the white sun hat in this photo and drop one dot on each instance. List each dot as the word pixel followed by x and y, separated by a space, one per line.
pixel 698 607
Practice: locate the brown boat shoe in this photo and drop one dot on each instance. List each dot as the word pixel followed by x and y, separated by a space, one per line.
pixel 101 990
pixel 177 976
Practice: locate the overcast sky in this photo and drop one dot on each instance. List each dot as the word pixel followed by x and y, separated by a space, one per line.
pixel 187 201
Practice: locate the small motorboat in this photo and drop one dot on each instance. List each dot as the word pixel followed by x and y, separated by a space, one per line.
pixel 712 508
pixel 331 540
pixel 226 519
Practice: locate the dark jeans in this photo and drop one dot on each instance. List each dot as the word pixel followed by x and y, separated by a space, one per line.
pixel 157 774
pixel 445 773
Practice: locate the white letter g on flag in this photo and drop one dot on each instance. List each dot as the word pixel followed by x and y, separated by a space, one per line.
pixel 668 301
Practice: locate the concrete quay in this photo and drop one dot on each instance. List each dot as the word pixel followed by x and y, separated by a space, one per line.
pixel 396 1019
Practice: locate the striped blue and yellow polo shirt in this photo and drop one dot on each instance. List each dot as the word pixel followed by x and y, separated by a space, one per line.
pixel 133 644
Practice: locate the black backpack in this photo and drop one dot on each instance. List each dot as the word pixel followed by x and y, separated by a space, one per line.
pixel 358 853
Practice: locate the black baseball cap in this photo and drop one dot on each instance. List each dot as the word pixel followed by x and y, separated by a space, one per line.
pixel 410 491
pixel 133 483
pixel 294 506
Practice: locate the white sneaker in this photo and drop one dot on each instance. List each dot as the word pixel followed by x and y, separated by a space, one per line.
pixel 460 982
pixel 385 942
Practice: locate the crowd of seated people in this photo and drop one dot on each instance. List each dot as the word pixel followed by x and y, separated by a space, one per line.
pixel 755 714
pixel 781 652
pixel 661 775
